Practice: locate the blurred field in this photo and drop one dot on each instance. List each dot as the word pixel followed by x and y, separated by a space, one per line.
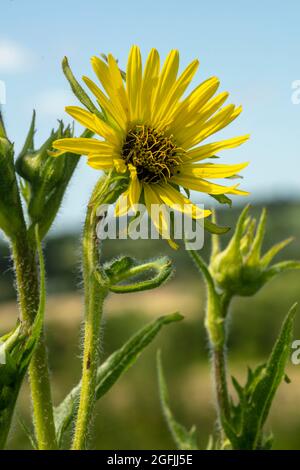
pixel 129 416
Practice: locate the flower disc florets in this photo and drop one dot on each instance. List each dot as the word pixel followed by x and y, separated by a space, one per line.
pixel 154 154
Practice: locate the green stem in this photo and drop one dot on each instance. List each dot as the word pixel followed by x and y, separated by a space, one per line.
pixel 219 360
pixel 220 380
pixel 215 323
pixel 95 293
pixel 28 294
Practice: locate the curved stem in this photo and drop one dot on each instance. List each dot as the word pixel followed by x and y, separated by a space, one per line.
pixel 28 293
pixel 95 293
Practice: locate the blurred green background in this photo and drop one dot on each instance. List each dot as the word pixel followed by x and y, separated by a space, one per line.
pixel 129 416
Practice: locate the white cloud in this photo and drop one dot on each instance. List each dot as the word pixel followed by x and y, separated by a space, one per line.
pixel 51 103
pixel 14 57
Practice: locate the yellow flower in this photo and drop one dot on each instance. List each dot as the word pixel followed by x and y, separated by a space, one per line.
pixel 152 131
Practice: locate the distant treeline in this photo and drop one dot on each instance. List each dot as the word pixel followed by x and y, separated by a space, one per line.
pixel 62 252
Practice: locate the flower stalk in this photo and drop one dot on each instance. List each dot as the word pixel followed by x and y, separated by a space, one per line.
pixel 215 324
pixel 96 289
pixel 239 270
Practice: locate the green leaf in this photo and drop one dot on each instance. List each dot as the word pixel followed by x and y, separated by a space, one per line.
pixel 214 228
pixel 184 439
pixel 119 266
pixel 127 269
pixel 222 199
pixel 245 430
pixel 110 371
pixel 78 90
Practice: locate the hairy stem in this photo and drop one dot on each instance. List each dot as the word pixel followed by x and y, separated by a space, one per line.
pixel 220 380
pixel 219 361
pixel 215 323
pixel 95 292
pixel 28 294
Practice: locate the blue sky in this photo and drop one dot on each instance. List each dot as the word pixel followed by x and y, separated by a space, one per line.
pixel 252 47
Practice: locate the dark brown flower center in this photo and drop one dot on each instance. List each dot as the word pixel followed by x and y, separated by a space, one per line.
pixel 152 153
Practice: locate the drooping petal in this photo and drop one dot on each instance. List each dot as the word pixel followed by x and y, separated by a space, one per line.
pixel 131 196
pixel 197 184
pixel 177 201
pixel 156 210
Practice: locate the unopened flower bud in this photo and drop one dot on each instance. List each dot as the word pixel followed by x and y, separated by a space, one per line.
pixel 10 207
pixel 241 269
pixel 44 178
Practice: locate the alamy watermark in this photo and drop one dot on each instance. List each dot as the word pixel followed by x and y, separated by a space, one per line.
pixel 295 357
pixel 181 222
pixel 2 92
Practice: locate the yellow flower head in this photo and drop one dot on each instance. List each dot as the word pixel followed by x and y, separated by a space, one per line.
pixel 150 130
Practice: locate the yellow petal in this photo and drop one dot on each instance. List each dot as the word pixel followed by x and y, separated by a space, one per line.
pixel 177 91
pixel 150 81
pixel 211 170
pixel 100 162
pixel 82 146
pixel 105 103
pixel 120 165
pixel 104 75
pixel 177 201
pixel 123 205
pixel 197 121
pixel 92 122
pixel 166 80
pixel 131 196
pixel 197 184
pixel 135 188
pixel 134 81
pixel 193 103
pixel 206 151
pixel 118 84
pixel 213 125
pixel 158 213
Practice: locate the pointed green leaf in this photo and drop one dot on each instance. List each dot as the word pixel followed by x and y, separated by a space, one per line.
pixel 184 439
pixel 245 430
pixel 214 228
pixel 110 371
